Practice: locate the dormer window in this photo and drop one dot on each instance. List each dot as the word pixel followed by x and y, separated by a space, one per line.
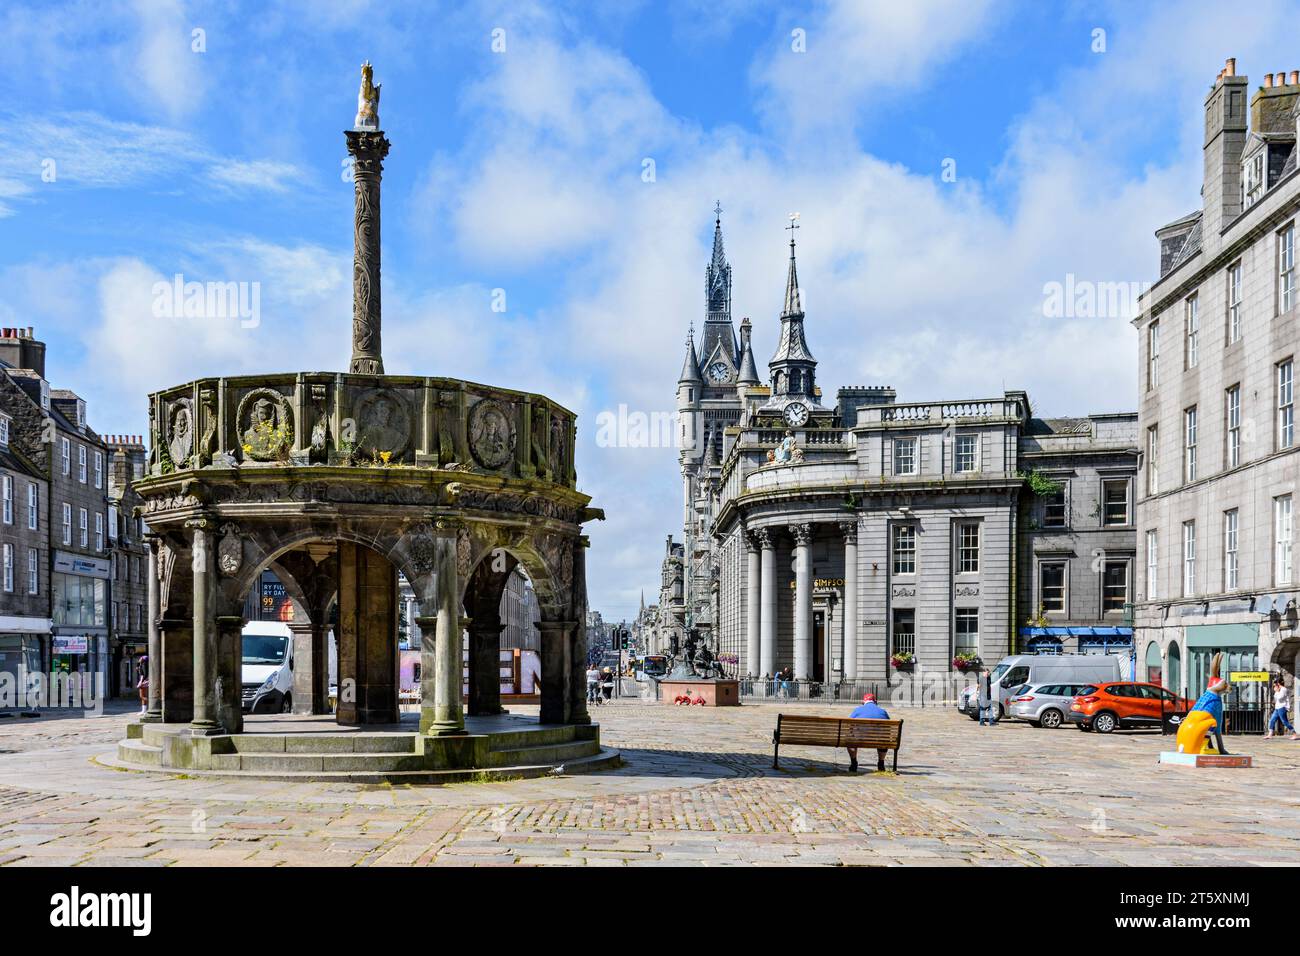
pixel 45 395
pixel 4 432
pixel 81 414
pixel 1252 183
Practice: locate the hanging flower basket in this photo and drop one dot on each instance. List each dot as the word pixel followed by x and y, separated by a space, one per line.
pixel 903 662
pixel 966 662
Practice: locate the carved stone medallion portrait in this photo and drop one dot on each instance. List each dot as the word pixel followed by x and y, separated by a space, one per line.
pixel 180 432
pixel 491 433
pixel 383 422
pixel 265 424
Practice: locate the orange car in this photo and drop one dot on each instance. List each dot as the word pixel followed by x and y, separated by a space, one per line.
pixel 1105 707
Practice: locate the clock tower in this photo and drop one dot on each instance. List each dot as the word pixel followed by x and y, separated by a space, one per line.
pixel 719 353
pixel 795 397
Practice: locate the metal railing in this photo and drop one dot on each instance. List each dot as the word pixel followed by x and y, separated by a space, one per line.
pixel 940 690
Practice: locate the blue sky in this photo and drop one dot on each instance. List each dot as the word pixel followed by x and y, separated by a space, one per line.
pixel 522 171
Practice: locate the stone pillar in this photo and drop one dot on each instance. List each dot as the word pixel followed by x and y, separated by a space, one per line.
pixel 154 714
pixel 802 600
pixel 767 629
pixel 753 597
pixel 368 149
pixel 228 667
pixel 577 688
pixel 557 668
pixel 310 668
pixel 177 639
pixel 485 666
pixel 850 669
pixel 428 624
pixel 448 714
pixel 204 720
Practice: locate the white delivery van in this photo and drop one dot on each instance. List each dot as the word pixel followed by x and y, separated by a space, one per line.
pixel 1013 672
pixel 267 680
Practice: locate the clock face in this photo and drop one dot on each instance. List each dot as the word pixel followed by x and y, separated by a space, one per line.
pixel 719 372
pixel 796 414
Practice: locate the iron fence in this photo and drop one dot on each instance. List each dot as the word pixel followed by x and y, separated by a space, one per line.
pixel 928 690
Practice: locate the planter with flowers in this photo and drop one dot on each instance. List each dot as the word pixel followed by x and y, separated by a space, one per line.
pixel 903 661
pixel 966 662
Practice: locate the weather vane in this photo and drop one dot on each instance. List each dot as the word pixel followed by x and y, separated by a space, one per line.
pixel 794 224
pixel 717 209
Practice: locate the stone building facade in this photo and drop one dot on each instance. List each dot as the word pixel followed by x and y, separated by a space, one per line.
pixel 128 563
pixel 1218 340
pixel 837 540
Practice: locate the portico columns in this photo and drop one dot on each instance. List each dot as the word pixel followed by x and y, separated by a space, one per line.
pixel 802 600
pixel 850 600
pixel 448 714
pixel 753 598
pixel 154 713
pixel 767 628
pixel 204 721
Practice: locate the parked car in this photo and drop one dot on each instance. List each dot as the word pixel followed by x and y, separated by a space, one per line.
pixel 1043 705
pixel 1011 673
pixel 1124 704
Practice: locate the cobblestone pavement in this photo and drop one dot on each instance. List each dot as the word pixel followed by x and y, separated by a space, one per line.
pixel 697 787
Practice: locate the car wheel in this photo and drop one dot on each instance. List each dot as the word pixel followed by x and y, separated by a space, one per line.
pixel 1050 718
pixel 1104 722
pixel 287 706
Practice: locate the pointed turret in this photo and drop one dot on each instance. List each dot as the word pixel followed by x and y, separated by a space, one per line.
pixel 691 367
pixel 793 367
pixel 748 370
pixel 719 354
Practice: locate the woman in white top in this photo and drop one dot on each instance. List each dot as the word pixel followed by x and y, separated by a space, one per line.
pixel 1281 703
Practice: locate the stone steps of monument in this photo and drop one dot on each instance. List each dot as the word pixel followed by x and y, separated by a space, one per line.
pixel 542 753
pixel 329 743
pixel 601 760
pixel 139 752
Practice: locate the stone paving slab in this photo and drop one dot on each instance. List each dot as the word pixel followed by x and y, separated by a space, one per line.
pixel 696 788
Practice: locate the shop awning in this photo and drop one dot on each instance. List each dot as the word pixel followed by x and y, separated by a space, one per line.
pixel 1078 631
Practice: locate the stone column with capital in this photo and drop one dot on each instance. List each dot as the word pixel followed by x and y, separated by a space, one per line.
pixel 228 666
pixel 485 666
pixel 802 600
pixel 448 713
pixel 577 684
pixel 557 668
pixel 154 712
pixel 767 627
pixel 204 721
pixel 368 149
pixel 850 666
pixel 753 597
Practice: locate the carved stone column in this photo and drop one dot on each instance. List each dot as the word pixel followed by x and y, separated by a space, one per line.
pixel 204 720
pixel 767 630
pixel 557 668
pixel 802 600
pixel 485 666
pixel 310 668
pixel 753 596
pixel 228 642
pixel 448 713
pixel 154 713
pixel 578 654
pixel 368 149
pixel 850 665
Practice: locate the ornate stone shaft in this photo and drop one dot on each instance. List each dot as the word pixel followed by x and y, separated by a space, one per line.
pixel 368 149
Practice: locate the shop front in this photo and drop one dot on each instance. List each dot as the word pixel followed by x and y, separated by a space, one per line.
pixel 79 639
pixel 1248 697
pixel 21 655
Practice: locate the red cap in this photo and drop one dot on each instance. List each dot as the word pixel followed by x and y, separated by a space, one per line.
pixel 868 698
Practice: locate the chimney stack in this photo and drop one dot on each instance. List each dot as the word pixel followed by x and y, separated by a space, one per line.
pixel 1225 138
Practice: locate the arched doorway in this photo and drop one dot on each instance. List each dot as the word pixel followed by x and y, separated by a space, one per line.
pixel 1153 663
pixel 1175 668
pixel 503 640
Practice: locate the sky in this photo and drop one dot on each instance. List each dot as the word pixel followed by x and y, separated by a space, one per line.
pixel 548 199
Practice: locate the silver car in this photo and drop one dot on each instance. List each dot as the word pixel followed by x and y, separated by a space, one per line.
pixel 1043 705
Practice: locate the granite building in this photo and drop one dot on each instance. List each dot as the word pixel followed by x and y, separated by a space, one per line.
pixel 848 541
pixel 128 563
pixel 1217 347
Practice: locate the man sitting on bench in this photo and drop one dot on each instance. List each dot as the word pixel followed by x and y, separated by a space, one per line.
pixel 869 710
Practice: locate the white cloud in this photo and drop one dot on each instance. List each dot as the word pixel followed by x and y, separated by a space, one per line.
pixel 236 176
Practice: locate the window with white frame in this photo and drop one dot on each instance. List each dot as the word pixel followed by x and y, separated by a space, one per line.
pixel 1189 558
pixel 99 469
pixel 33 506
pixel 904 549
pixel 112 522
pixel 1285 404
pixel 1056 508
pixel 33 572
pixel 1191 331
pixel 1153 459
pixel 1234 302
pixel 67 523
pixel 904 636
pixel 81 463
pixel 1252 182
pixel 67 457
pixel 966 626
pixel 1115 506
pixel 1230 565
pixel 4 432
pixel 1051 587
pixel 1153 564
pixel 1153 355
pixel 6 499
pixel 968 547
pixel 1232 426
pixel 1114 586
pixel 84 526
pixel 967 453
pixel 1189 444
pixel 905 456
pixel 9 567
pixel 99 531
pixel 1286 268
pixel 1282 532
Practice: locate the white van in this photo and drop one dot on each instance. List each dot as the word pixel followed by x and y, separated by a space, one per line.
pixel 1012 672
pixel 267 677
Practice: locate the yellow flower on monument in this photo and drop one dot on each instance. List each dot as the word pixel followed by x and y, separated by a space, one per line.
pixel 385 455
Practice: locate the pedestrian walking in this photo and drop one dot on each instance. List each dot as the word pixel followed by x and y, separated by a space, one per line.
pixel 593 683
pixel 1281 704
pixel 869 710
pixel 987 703
pixel 142 681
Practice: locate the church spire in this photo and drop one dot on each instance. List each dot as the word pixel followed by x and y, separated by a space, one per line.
pixel 793 367
pixel 793 304
pixel 717 275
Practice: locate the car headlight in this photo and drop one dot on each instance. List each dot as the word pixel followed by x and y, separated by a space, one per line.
pixel 268 683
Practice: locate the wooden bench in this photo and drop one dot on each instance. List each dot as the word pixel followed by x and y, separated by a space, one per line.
pixel 809 731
